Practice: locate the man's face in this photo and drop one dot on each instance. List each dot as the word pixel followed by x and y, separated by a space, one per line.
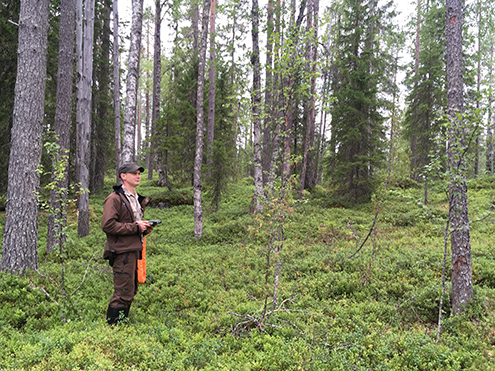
pixel 131 179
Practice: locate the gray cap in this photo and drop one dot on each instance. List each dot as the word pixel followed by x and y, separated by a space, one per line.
pixel 129 167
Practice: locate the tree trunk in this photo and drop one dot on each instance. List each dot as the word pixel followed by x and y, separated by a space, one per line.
pixel 198 158
pixel 211 94
pixel 102 98
pixel 129 144
pixel 63 110
pixel 462 289
pixel 20 238
pixel 489 131
pixel 116 89
pixel 255 61
pixel 309 107
pixel 268 120
pixel 83 117
pixel 414 160
pixel 148 119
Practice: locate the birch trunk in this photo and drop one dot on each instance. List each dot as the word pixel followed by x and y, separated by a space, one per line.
pixel 269 105
pixel 20 237
pixel 63 111
pixel 129 143
pixel 255 61
pixel 198 158
pixel 462 288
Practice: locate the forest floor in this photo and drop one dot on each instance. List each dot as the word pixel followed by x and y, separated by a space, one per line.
pixel 208 303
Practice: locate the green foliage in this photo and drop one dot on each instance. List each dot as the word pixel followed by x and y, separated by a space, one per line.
pixel 358 133
pixel 427 89
pixel 377 310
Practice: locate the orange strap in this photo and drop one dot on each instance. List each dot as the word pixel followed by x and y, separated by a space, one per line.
pixel 141 265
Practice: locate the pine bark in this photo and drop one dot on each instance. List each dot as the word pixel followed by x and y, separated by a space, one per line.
pixel 462 289
pixel 129 143
pixel 20 237
pixel 83 117
pixel 198 158
pixel 256 96
pixel 63 111
pixel 116 89
pixel 211 93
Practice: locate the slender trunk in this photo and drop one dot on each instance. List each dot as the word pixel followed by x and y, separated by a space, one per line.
pixel 129 144
pixel 308 107
pixel 478 98
pixel 116 88
pixel 255 61
pixel 198 158
pixel 270 110
pixel 147 97
pixel 157 151
pixel 414 160
pixel 462 289
pixel 211 94
pixel 489 131
pixel 58 198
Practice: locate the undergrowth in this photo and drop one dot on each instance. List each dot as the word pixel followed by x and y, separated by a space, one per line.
pixel 376 310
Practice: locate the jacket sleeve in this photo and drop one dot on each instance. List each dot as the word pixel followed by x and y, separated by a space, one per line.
pixel 111 220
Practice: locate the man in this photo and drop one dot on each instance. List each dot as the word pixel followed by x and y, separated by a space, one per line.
pixel 122 222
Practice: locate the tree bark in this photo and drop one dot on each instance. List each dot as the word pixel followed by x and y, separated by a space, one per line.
pixel 20 237
pixel 83 117
pixel 116 89
pixel 462 289
pixel 198 158
pixel 211 93
pixel 489 131
pixel 63 110
pixel 102 96
pixel 310 106
pixel 255 61
pixel 269 91
pixel 129 143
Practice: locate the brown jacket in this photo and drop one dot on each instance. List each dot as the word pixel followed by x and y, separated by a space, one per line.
pixel 118 223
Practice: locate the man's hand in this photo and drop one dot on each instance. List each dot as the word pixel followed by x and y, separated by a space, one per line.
pixel 143 225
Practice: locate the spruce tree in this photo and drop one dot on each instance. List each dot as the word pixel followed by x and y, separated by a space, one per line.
pixel 427 89
pixel 357 119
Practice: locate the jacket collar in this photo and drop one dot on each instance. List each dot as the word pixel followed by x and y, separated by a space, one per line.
pixel 141 199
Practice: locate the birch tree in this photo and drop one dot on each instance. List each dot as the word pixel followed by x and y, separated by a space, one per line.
pixel 462 286
pixel 20 238
pixel 198 158
pixel 256 96
pixel 129 145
